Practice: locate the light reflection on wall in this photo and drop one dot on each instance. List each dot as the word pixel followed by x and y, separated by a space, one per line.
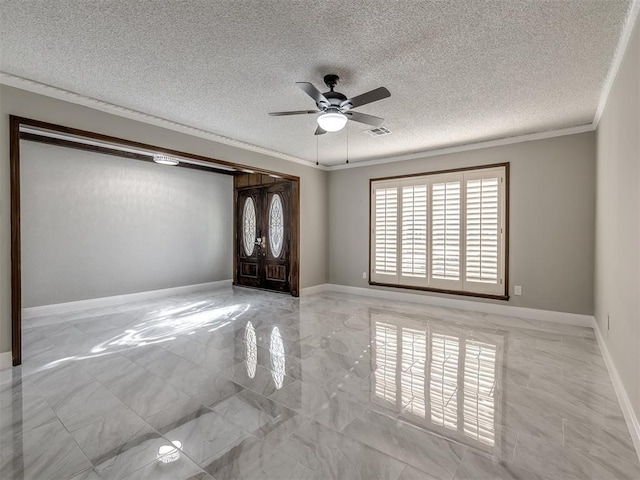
pixel 442 378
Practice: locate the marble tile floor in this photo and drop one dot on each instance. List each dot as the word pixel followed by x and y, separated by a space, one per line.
pixel 245 384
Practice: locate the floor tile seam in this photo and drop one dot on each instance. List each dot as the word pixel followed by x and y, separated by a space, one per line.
pixel 168 379
pixel 389 454
pixel 455 473
pixel 493 459
pixel 115 452
pixel 92 468
pixel 341 434
pixel 130 407
pixel 578 455
pixel 269 370
pixel 201 406
pixel 57 418
pixel 205 462
pixel 228 419
pixel 287 455
pixel 629 445
pixel 73 439
pixel 409 424
pixel 149 372
pixel 618 428
pixel 169 442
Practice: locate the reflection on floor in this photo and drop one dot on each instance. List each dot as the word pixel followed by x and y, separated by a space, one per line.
pixel 245 384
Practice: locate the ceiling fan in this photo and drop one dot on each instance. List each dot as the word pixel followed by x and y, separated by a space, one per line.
pixel 335 108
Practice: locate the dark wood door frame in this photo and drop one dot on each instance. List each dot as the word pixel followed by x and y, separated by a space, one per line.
pixel 257 180
pixel 15 124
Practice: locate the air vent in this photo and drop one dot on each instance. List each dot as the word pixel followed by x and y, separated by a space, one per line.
pixel 378 131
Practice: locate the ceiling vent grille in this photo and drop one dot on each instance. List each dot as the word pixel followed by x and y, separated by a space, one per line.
pixel 378 131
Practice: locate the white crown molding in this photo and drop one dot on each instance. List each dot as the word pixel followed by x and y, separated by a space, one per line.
pixel 470 146
pixel 58 308
pixel 476 306
pixel 623 398
pixel 623 43
pixel 71 97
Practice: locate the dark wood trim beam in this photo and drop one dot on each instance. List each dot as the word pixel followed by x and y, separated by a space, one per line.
pixel 507 183
pixel 143 146
pixel 59 142
pixel 294 281
pixel 440 172
pixel 16 274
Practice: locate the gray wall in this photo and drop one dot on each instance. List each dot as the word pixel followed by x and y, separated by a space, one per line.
pixel 552 205
pixel 617 285
pixel 96 225
pixel 313 182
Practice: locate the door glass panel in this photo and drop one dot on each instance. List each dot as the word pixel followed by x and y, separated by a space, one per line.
pixel 276 225
pixel 249 226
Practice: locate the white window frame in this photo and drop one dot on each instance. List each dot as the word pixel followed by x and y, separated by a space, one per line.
pixel 462 285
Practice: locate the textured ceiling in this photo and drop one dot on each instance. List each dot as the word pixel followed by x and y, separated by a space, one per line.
pixel 458 71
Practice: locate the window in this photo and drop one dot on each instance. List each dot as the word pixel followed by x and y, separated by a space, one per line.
pixel 442 231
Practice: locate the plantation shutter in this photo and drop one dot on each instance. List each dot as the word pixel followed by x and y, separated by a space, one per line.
pixel 445 232
pixel 414 233
pixel 440 231
pixel 483 232
pixel 385 232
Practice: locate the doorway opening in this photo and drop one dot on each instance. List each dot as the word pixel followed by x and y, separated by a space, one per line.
pixel 36 131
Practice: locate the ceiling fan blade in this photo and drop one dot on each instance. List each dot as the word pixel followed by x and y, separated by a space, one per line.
pixel 320 131
pixel 364 118
pixel 313 92
pixel 294 112
pixel 372 96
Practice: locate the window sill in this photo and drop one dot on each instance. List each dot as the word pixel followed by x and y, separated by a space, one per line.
pixel 439 290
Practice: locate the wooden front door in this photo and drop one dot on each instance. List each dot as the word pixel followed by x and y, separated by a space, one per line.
pixel 263 236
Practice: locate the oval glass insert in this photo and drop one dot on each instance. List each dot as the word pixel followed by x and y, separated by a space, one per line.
pixel 249 226
pixel 276 225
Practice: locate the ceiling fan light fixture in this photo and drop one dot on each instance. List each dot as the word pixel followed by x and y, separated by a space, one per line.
pixel 165 159
pixel 332 121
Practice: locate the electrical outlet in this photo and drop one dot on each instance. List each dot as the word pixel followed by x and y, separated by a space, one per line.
pixel 364 275
pixel 517 289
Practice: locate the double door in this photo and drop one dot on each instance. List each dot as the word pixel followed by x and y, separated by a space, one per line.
pixel 263 236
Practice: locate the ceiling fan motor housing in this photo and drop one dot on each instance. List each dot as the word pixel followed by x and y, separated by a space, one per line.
pixel 336 99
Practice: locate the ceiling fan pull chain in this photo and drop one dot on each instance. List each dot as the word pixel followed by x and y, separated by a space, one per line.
pixel 347 143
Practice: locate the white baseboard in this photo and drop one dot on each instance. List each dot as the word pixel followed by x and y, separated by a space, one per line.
pixel 6 360
pixel 323 287
pixel 58 308
pixel 508 310
pixel 621 392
